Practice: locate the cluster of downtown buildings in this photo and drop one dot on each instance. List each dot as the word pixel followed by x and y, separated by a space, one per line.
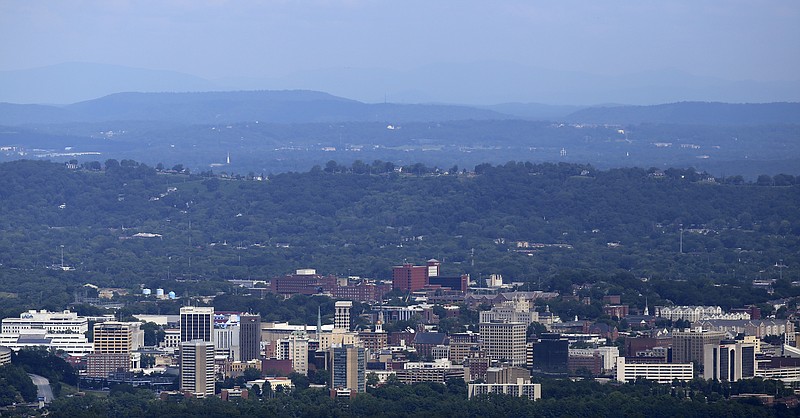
pixel 498 356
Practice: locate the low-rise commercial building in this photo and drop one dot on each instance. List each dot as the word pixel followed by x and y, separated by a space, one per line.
pixel 532 391
pixel 661 373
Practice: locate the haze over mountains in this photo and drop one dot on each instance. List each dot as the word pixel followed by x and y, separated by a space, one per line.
pixel 477 83
pixel 303 106
pixel 275 130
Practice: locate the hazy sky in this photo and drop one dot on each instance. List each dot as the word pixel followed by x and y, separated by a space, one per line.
pixel 732 39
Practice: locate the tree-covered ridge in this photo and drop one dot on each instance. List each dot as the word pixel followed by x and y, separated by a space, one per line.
pixel 559 398
pixel 610 226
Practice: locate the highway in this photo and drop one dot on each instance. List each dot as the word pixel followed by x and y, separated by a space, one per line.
pixel 43 388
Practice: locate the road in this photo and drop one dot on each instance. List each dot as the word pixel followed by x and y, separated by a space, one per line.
pixel 42 387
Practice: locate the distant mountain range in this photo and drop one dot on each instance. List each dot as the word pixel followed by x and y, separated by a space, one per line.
pixel 476 83
pixel 296 106
pixel 692 113
pixel 303 106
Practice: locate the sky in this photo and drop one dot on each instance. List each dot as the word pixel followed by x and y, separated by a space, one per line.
pixel 730 39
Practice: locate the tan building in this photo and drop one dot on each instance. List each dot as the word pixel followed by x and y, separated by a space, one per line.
pixel 688 346
pixel 118 337
pixel 197 368
pixel 294 348
pixel 114 346
pixel 461 350
pixel 337 337
pixel 517 310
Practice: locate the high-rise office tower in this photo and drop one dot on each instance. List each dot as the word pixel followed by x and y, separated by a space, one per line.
pixel 729 360
pixel 197 368
pixel 348 368
pixel 504 341
pixel 197 323
pixel 551 354
pixel 250 336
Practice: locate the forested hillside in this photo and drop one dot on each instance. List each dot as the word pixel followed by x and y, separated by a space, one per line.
pixel 548 225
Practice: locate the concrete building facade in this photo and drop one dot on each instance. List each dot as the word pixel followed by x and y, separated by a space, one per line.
pixel 504 341
pixel 661 372
pixel 729 360
pixel 197 368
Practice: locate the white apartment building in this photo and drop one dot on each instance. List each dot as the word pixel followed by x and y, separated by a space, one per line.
pixel 758 328
pixel 688 313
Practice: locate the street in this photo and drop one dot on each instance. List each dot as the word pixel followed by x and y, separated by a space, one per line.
pixel 42 387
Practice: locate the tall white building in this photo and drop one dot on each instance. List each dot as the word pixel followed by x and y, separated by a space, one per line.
pixel 197 323
pixel 342 315
pixel 226 341
pixel 504 341
pixel 729 360
pixel 197 368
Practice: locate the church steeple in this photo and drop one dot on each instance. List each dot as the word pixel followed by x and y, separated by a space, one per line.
pixel 319 322
pixel 646 309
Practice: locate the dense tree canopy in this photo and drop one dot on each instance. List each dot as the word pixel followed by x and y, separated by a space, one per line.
pixel 547 225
